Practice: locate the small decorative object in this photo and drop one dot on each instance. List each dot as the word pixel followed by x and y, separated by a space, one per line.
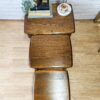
pixel 27 5
pixel 64 9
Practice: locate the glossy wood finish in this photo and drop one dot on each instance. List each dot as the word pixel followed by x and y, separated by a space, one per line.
pixel 48 51
pixel 50 54
pixel 55 25
pixel 51 85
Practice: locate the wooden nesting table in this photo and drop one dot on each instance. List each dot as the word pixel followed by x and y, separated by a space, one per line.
pixel 50 54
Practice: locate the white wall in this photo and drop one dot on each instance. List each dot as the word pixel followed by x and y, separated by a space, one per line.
pixel 83 9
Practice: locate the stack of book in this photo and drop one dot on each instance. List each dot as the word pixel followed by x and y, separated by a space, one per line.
pixel 42 10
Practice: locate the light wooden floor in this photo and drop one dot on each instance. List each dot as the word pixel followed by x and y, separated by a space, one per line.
pixel 16 77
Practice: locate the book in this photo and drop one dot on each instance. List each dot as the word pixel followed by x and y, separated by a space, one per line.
pixel 40 14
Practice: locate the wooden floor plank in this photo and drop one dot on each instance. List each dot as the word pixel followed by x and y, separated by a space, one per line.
pixel 16 76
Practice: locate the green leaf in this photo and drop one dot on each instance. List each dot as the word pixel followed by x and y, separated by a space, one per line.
pixel 27 4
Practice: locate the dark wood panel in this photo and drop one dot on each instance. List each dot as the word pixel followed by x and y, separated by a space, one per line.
pixel 48 51
pixel 51 85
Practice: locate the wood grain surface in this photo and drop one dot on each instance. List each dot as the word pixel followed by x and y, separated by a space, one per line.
pixel 16 76
pixel 49 51
pixel 51 85
pixel 56 25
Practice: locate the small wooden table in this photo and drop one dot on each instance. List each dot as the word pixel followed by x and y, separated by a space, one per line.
pixel 56 25
pixel 51 54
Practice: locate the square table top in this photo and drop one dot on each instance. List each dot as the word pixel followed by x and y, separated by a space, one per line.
pixel 56 25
